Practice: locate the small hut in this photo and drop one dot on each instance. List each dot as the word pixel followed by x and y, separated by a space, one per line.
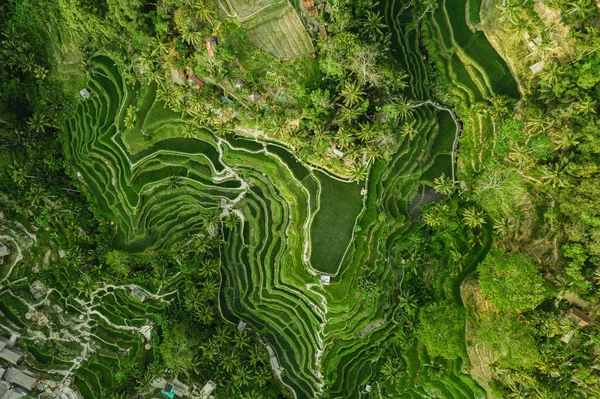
pixel 254 96
pixel 579 317
pixel 85 94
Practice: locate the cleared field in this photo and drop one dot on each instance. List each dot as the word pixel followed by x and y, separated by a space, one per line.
pixel 278 30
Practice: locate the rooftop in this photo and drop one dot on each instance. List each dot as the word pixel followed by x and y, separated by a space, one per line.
pixel 17 377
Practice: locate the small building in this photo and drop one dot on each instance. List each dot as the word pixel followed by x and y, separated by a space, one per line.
pixel 338 153
pixel 12 394
pixel 196 81
pixel 313 12
pixel 226 100
pixel 2 371
pixel 180 73
pixel 176 77
pixel 85 94
pixel 325 279
pixel 254 96
pixel 363 191
pixel 9 355
pixel 139 294
pixel 17 377
pixel 168 391
pixel 579 317
pixel 39 319
pixel 537 67
pixel 368 388
pixel 567 338
pixel 207 390
pixel 239 84
pixel 210 46
pixel 275 366
pixel 4 250
pixel 223 202
pixel 242 325
pixel 146 332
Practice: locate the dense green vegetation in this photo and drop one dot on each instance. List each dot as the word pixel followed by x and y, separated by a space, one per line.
pixel 383 196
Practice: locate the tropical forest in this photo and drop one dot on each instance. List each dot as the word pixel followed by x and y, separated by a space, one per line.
pixel 301 199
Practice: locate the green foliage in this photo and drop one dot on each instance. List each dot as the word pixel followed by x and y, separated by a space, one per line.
pixel 179 348
pixel 508 340
pixel 511 281
pixel 441 330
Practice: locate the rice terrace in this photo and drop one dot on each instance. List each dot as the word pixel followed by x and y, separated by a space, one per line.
pixel 299 199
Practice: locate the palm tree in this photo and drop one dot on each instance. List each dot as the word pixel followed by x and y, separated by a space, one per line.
pixel 258 355
pixel 408 129
pixel 510 12
pixel 473 217
pixel 209 268
pixel 554 175
pixel 231 221
pixel 408 303
pixel 205 313
pixel 402 108
pixel 203 11
pixel 372 26
pixel 443 185
pixel 262 376
pixel 210 289
pixel 210 350
pixel 210 221
pixel 352 93
pixel 241 340
pixel 359 172
pixel 38 122
pixel 585 106
pixel 503 226
pixel 344 138
pixel 222 335
pixel 241 378
pixel 193 38
pixel 230 362
pixel 367 132
pixel 349 115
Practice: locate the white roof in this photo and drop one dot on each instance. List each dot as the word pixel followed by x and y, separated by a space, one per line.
pixel 338 152
pixel 242 325
pixel 325 279
pixel 537 67
pixel 10 356
pixel 84 93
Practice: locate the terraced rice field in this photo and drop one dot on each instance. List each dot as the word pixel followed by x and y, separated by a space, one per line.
pixel 274 27
pixel 155 183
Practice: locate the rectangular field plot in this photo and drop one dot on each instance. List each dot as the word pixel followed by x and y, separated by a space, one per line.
pixel 245 8
pixel 333 225
pixel 278 30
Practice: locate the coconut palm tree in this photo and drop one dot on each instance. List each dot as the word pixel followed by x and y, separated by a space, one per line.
pixel 230 362
pixel 510 11
pixel 408 303
pixel 402 108
pixel 231 221
pixel 209 268
pixel 352 93
pixel 372 25
pixel 554 175
pixel 473 217
pixel 193 38
pixel 241 377
pixel 39 122
pixel 210 289
pixel 408 129
pixel 205 313
pixel 503 226
pixel 344 138
pixel 204 11
pixel 359 172
pixel 258 355
pixel 444 185
pixel 367 132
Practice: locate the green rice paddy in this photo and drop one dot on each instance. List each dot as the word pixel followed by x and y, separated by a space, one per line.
pixel 296 222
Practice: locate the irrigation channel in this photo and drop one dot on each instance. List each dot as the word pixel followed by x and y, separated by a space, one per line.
pixel 296 221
